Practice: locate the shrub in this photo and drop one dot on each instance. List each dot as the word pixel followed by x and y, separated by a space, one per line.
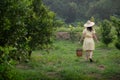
pixel 116 23
pixel 8 72
pixel 107 37
pixel 7 69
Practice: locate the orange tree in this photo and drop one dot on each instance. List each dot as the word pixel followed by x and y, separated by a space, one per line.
pixel 39 26
pixel 24 24
pixel 12 25
pixel 12 32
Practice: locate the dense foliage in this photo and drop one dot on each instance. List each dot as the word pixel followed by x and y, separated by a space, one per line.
pixel 116 24
pixel 73 10
pixel 106 32
pixel 24 25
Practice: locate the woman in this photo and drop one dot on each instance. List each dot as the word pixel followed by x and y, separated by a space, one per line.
pixel 88 36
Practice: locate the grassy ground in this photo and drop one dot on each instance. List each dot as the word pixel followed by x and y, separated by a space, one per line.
pixel 63 64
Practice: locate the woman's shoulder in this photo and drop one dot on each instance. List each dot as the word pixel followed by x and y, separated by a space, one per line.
pixel 85 29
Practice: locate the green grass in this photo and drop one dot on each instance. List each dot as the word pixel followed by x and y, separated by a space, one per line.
pixel 63 64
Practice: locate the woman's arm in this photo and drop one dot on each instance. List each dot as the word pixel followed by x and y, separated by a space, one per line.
pixel 82 37
pixel 95 37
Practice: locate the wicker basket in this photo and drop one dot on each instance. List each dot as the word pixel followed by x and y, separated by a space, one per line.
pixel 79 52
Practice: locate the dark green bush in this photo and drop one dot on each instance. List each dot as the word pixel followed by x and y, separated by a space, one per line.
pixel 7 69
pixel 8 72
pixel 116 24
pixel 107 37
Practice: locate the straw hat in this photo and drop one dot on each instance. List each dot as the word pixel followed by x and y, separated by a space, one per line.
pixel 89 24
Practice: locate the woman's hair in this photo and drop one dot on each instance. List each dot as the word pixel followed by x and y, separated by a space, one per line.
pixel 89 29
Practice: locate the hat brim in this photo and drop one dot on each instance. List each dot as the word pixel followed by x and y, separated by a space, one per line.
pixel 89 25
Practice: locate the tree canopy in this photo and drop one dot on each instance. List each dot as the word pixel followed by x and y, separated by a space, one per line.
pixel 73 10
pixel 24 25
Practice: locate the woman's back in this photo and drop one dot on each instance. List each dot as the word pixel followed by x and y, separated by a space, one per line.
pixel 88 34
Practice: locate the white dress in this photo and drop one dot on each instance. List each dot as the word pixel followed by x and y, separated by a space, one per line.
pixel 88 43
